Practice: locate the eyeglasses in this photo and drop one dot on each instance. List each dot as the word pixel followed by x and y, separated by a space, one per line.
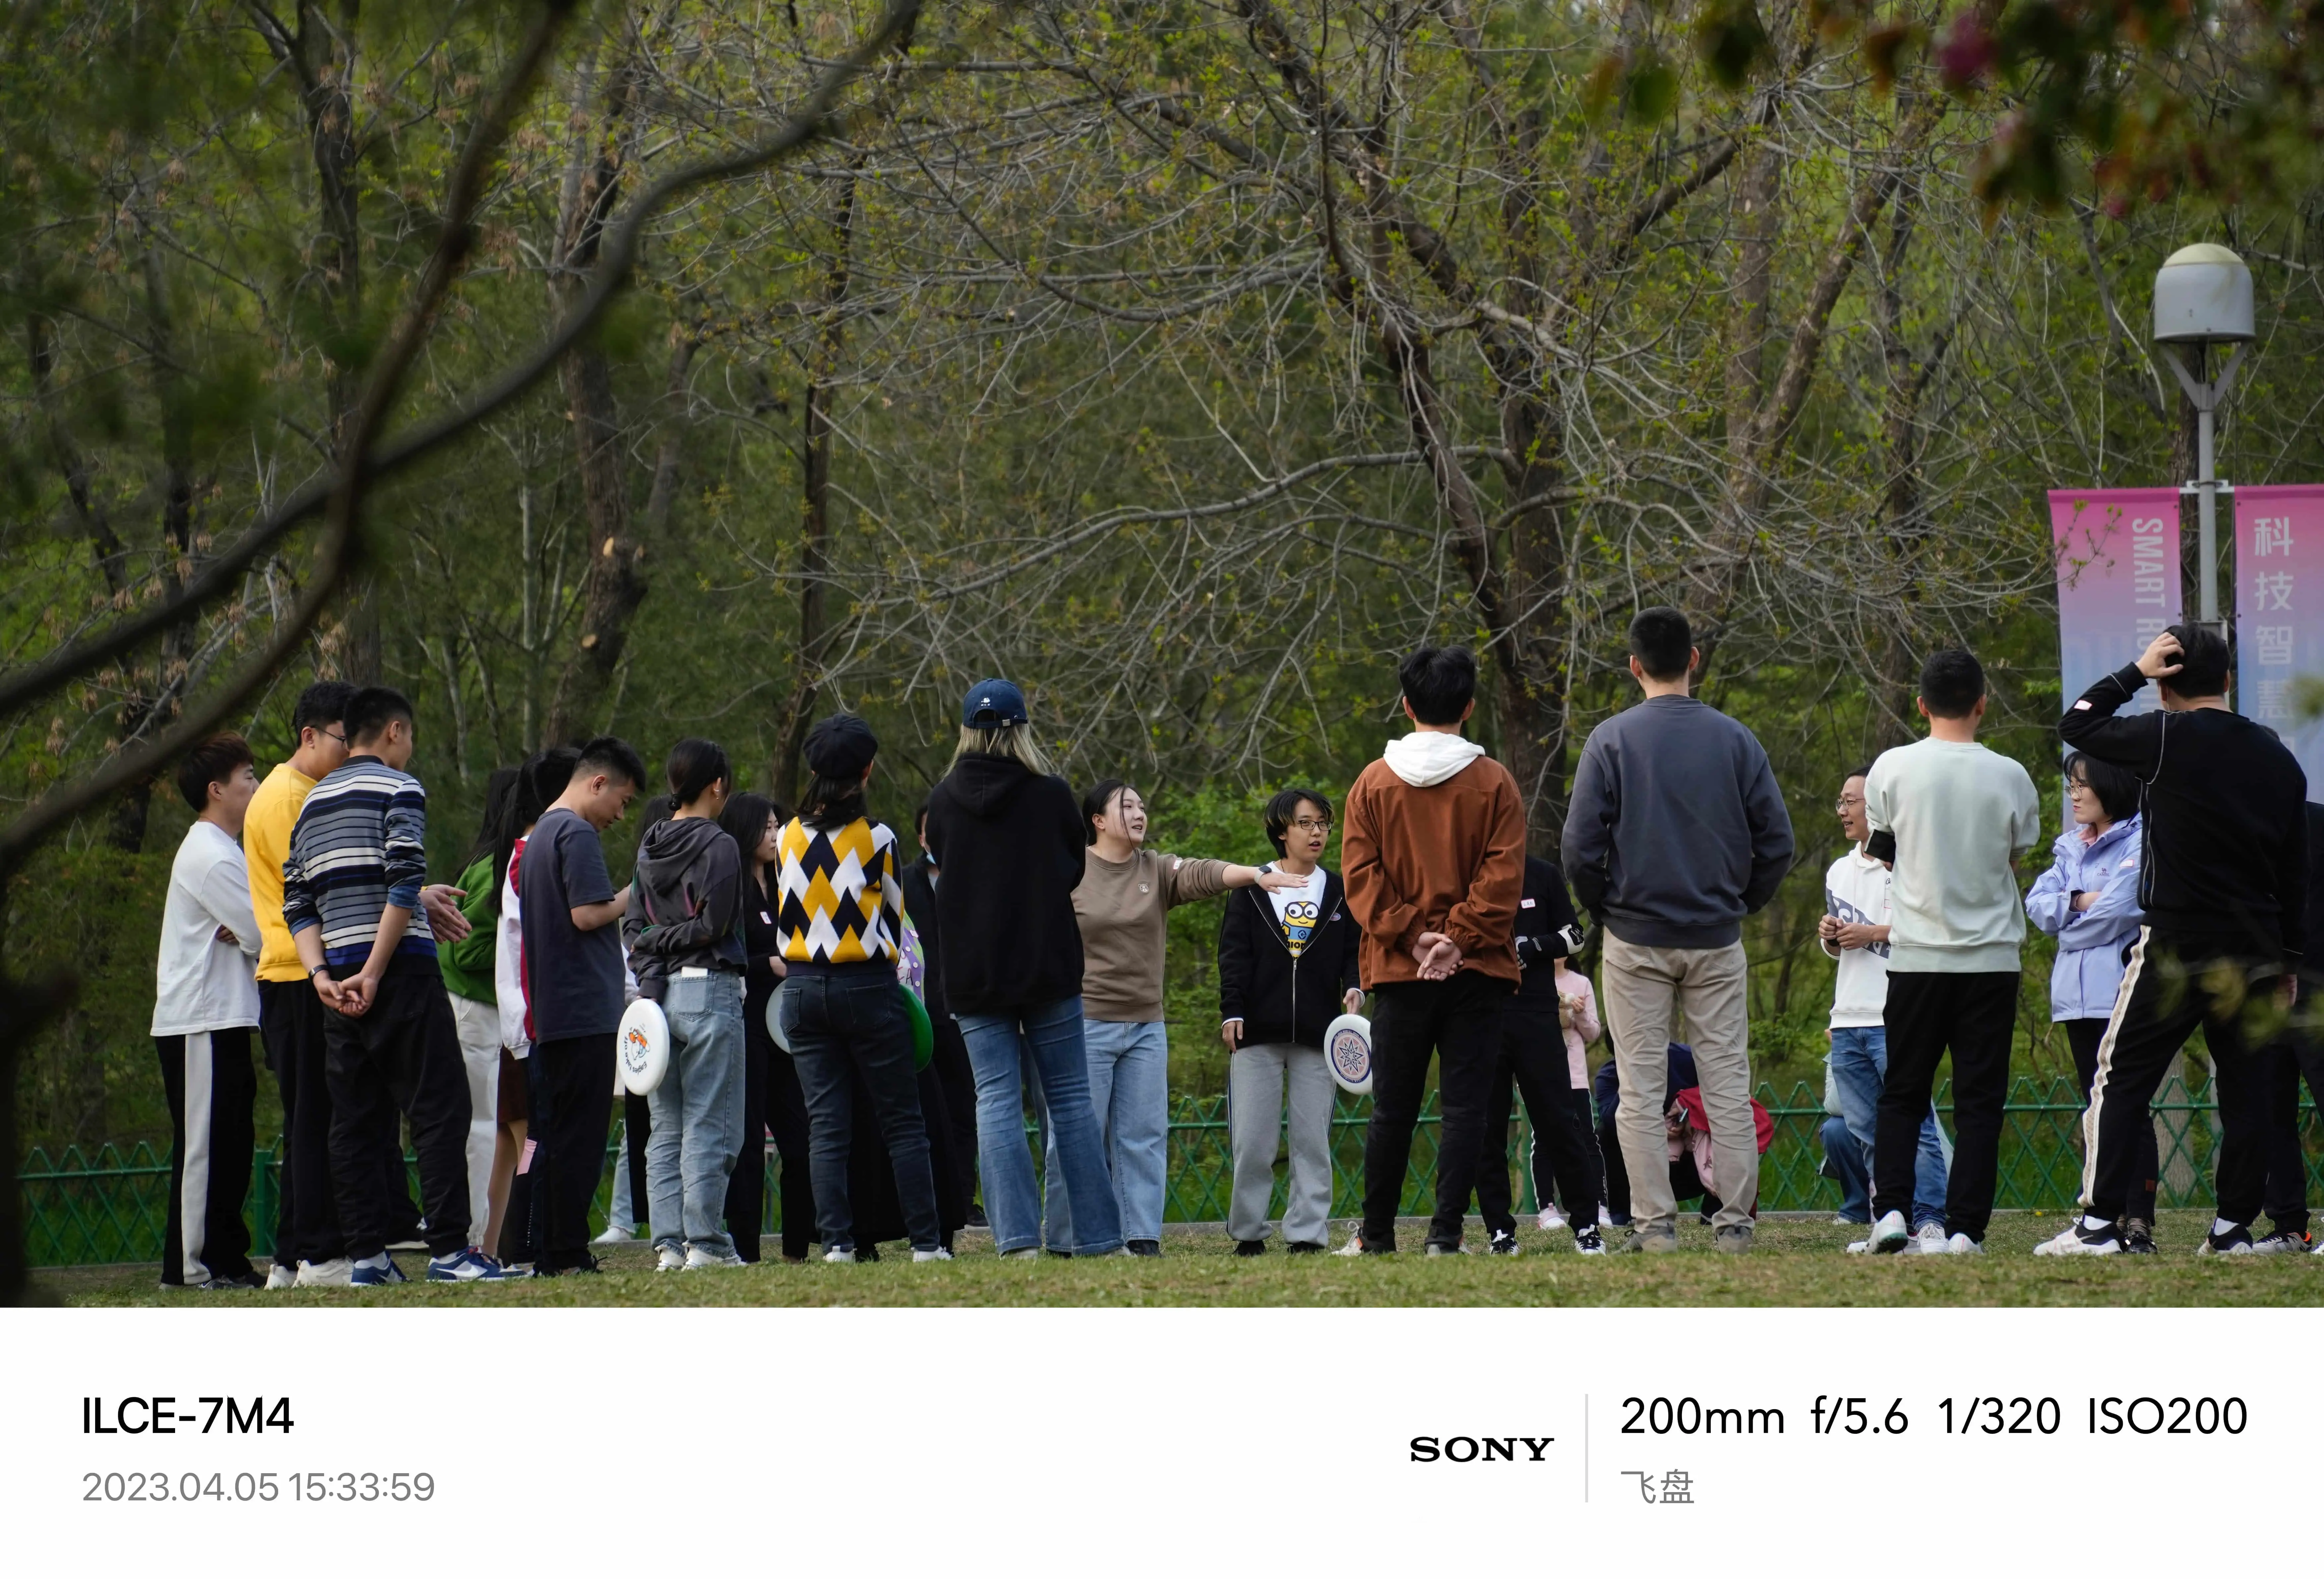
pixel 1312 825
pixel 335 735
pixel 1845 801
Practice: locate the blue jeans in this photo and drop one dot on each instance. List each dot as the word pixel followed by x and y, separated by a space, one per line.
pixel 838 1025
pixel 698 1114
pixel 1130 1093
pixel 1844 1164
pixel 1048 1036
pixel 1859 1068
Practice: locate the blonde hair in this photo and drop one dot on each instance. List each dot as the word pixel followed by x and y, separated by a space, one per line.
pixel 1015 742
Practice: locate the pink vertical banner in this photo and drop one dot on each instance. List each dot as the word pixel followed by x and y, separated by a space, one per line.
pixel 2117 558
pixel 2280 612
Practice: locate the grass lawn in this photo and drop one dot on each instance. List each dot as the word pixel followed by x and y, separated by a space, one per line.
pixel 1797 1262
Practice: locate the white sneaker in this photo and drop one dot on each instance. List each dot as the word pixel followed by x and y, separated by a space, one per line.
pixel 1029 1253
pixel 839 1258
pixel 1551 1217
pixel 614 1235
pixel 1605 1218
pixel 1354 1247
pixel 1929 1240
pixel 669 1258
pixel 2076 1240
pixel 1890 1234
pixel 937 1254
pixel 1860 1247
pixel 1963 1244
pixel 698 1258
pixel 336 1273
pixel 283 1276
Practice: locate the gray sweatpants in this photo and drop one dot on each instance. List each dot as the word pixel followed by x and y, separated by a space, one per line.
pixel 1256 1078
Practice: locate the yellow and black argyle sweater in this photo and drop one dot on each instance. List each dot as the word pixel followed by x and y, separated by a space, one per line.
pixel 840 900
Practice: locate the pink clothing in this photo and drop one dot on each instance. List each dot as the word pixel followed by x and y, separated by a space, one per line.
pixel 1578 1021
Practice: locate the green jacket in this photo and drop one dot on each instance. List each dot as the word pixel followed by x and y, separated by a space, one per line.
pixel 467 964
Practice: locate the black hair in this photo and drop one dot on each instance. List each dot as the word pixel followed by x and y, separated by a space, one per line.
pixel 1094 805
pixel 210 761
pixel 832 803
pixel 2204 659
pixel 659 809
pixel 2116 790
pixel 372 709
pixel 1662 642
pixel 745 820
pixel 1863 772
pixel 1284 808
pixel 324 702
pixel 546 776
pixel 1951 681
pixel 920 817
pixel 500 799
pixel 694 766
pixel 613 756
pixel 1440 682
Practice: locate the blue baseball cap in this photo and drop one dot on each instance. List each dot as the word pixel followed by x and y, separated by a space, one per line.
pixel 992 704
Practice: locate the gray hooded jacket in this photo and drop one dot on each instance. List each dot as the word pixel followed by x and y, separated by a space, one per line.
pixel 686 903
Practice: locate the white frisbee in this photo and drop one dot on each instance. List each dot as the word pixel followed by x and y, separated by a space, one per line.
pixel 1348 1049
pixel 641 1046
pixel 775 1019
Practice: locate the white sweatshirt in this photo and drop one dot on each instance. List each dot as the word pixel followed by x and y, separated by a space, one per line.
pixel 200 981
pixel 1856 889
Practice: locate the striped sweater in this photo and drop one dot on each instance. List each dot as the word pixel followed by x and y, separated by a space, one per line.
pixel 840 904
pixel 359 847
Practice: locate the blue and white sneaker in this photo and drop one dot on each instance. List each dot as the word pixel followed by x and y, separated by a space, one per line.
pixel 365 1277
pixel 466 1265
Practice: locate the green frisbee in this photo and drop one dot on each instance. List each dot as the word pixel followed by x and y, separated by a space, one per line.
pixel 924 1032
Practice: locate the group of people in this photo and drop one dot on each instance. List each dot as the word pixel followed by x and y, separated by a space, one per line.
pixel 785 951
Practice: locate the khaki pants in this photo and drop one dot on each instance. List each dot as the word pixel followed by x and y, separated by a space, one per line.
pixel 1641 987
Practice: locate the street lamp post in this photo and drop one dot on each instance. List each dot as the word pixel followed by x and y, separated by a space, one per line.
pixel 2203 297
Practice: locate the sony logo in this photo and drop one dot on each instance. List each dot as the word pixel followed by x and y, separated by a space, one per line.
pixel 1476 1449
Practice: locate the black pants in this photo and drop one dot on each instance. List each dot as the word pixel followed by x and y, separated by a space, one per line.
pixel 2083 1036
pixel 2285 1061
pixel 212 1089
pixel 307 1217
pixel 952 1067
pixel 1533 1064
pixel 572 1086
pixel 746 1187
pixel 1459 1022
pixel 1973 1013
pixel 1687 1184
pixel 403 1054
pixel 2167 992
pixel 636 1129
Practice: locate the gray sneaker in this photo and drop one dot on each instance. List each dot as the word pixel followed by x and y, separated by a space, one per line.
pixel 1649 1242
pixel 1733 1239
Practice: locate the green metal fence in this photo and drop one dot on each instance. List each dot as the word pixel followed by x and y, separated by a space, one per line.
pixel 87 1208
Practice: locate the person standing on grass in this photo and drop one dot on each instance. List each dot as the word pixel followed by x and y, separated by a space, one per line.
pixel 841 1007
pixel 1287 968
pixel 2087 900
pixel 469 977
pixel 1123 904
pixel 1855 931
pixel 205 1007
pixel 2296 1052
pixel 684 936
pixel 1956 818
pixel 1435 861
pixel 1007 836
pixel 2223 883
pixel 308 1249
pixel 350 896
pixel 508 1231
pixel 950 1060
pixel 771 1098
pixel 574 979
pixel 1552 1018
pixel 1678 831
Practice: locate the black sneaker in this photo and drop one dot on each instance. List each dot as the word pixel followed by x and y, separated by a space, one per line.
pixel 2076 1239
pixel 1304 1247
pixel 1589 1242
pixel 977 1219
pixel 1251 1247
pixel 2235 1240
pixel 2137 1236
pixel 1144 1247
pixel 1505 1242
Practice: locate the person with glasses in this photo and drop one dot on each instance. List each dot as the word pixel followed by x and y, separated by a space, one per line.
pixel 1854 931
pixel 1286 970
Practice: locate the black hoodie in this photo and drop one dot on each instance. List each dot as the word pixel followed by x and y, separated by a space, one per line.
pixel 686 903
pixel 1010 846
pixel 1279 997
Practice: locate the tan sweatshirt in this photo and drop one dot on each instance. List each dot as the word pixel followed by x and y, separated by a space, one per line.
pixel 1121 906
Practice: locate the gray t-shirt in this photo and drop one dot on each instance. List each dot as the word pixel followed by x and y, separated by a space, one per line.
pixel 573 979
pixel 1958 812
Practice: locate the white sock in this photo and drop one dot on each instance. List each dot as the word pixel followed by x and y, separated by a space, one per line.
pixel 377 1263
pixel 2095 1223
pixel 2222 1226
